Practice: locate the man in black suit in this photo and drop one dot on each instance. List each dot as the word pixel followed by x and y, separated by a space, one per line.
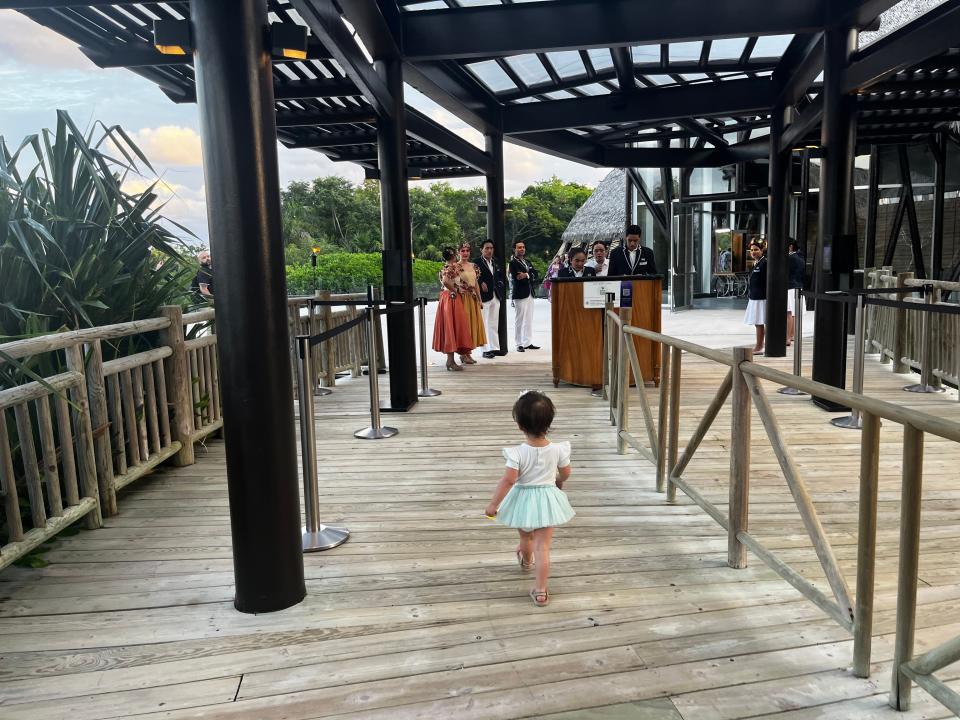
pixel 524 278
pixel 631 258
pixel 490 277
pixel 577 257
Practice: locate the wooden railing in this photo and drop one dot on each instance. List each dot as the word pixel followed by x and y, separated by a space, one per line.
pixel 660 444
pixel 896 333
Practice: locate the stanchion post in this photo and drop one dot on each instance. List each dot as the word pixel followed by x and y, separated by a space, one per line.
pixel 926 384
pixel 425 389
pixel 623 382
pixel 852 421
pixel 375 431
pixel 316 536
pixel 798 301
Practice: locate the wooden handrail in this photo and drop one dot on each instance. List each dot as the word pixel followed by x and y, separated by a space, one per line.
pixel 59 341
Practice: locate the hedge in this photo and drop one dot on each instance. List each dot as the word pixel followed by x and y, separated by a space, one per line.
pixel 353 272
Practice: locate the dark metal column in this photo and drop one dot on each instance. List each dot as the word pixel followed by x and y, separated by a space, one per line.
pixel 496 223
pixel 873 205
pixel 235 97
pixel 836 250
pixel 397 244
pixel 777 281
pixel 939 188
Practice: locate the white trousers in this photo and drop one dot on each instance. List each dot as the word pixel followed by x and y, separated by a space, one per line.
pixel 491 321
pixel 523 321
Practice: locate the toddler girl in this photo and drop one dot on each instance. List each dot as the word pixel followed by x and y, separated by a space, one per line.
pixel 529 495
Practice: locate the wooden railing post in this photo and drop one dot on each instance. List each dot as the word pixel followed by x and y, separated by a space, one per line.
pixel 86 460
pixel 179 385
pixel 739 503
pixel 663 417
pixel 900 327
pixel 673 439
pixel 910 504
pixel 100 420
pixel 623 381
pixel 866 544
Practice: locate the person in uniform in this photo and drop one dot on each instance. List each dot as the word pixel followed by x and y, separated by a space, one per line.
pixel 492 286
pixel 524 277
pixel 632 258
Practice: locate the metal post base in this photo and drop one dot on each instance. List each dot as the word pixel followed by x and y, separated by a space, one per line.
pixel 429 392
pixel 847 421
pixel 324 539
pixel 791 391
pixel 372 433
pixel 322 391
pixel 921 388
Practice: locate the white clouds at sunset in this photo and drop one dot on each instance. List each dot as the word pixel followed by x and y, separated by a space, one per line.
pixel 170 145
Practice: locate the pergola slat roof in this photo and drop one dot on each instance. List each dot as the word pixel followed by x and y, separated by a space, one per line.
pixel 690 84
pixel 318 105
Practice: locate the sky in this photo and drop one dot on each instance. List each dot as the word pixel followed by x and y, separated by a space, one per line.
pixel 42 72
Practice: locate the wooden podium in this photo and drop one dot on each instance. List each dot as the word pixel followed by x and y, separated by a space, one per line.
pixel 578 331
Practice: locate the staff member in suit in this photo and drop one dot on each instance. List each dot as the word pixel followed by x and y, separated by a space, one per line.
pixel 599 260
pixel 577 269
pixel 524 278
pixel 490 276
pixel 631 258
pixel 796 269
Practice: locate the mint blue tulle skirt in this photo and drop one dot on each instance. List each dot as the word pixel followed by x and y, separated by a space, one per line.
pixel 529 507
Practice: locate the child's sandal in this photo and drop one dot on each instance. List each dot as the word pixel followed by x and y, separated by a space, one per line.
pixel 523 566
pixel 541 598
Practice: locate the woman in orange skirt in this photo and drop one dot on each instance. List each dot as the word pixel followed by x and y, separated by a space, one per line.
pixel 451 332
pixel 470 292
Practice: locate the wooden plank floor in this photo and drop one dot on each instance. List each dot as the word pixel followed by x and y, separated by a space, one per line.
pixel 424 614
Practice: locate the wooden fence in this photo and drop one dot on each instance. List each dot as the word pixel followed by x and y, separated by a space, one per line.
pixel 896 334
pixel 660 444
pixel 102 425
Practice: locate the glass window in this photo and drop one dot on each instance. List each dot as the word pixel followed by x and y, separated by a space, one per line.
pixel 729 49
pixel 529 69
pixel 646 53
pixel 567 63
pixel 685 51
pixel 492 75
pixel 600 58
pixel 771 46
pixel 594 89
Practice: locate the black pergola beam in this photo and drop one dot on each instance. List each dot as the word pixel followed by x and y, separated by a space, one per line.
pixel 431 133
pixel 798 69
pixel 378 25
pixel 145 55
pixel 333 140
pixel 448 85
pixel 66 4
pixel 804 124
pixel 323 19
pixel 700 130
pixel 930 34
pixel 647 105
pixel 623 67
pixel 327 117
pixel 684 157
pixel 499 30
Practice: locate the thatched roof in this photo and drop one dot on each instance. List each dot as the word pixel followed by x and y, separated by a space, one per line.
pixel 603 216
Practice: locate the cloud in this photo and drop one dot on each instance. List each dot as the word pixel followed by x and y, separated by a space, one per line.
pixel 28 43
pixel 171 145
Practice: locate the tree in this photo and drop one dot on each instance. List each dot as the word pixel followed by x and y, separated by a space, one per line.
pixel 543 211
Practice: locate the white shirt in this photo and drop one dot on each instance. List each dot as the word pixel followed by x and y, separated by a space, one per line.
pixel 537 465
pixel 632 255
pixel 601 271
pixel 489 265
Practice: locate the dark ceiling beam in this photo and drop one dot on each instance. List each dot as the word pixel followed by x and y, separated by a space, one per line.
pixel 681 67
pixel 323 19
pixel 802 125
pixel 145 55
pixel 562 144
pixel 700 130
pixel 332 140
pixel 377 23
pixel 497 30
pixel 623 67
pixel 287 118
pixel 432 133
pixel 685 157
pixel 418 156
pixel 319 88
pixel 883 103
pixel 66 4
pixel 927 118
pixel 647 105
pixel 857 13
pixel 930 34
pixel 798 68
pixel 448 85
pixel 416 173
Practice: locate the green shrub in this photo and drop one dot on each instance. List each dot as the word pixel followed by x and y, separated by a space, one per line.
pixel 352 273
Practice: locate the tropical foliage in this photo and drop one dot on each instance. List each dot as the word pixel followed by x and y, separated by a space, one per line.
pixel 333 214
pixel 76 249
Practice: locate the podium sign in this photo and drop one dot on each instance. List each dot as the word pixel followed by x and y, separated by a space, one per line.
pixel 595 293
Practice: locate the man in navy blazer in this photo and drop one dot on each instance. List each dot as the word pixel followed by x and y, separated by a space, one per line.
pixel 524 277
pixel 631 258
pixel 492 286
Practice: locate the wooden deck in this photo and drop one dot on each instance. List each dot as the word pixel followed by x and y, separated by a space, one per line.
pixel 424 614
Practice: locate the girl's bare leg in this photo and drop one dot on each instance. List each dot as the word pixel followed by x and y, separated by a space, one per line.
pixel 525 548
pixel 542 538
pixel 760 333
